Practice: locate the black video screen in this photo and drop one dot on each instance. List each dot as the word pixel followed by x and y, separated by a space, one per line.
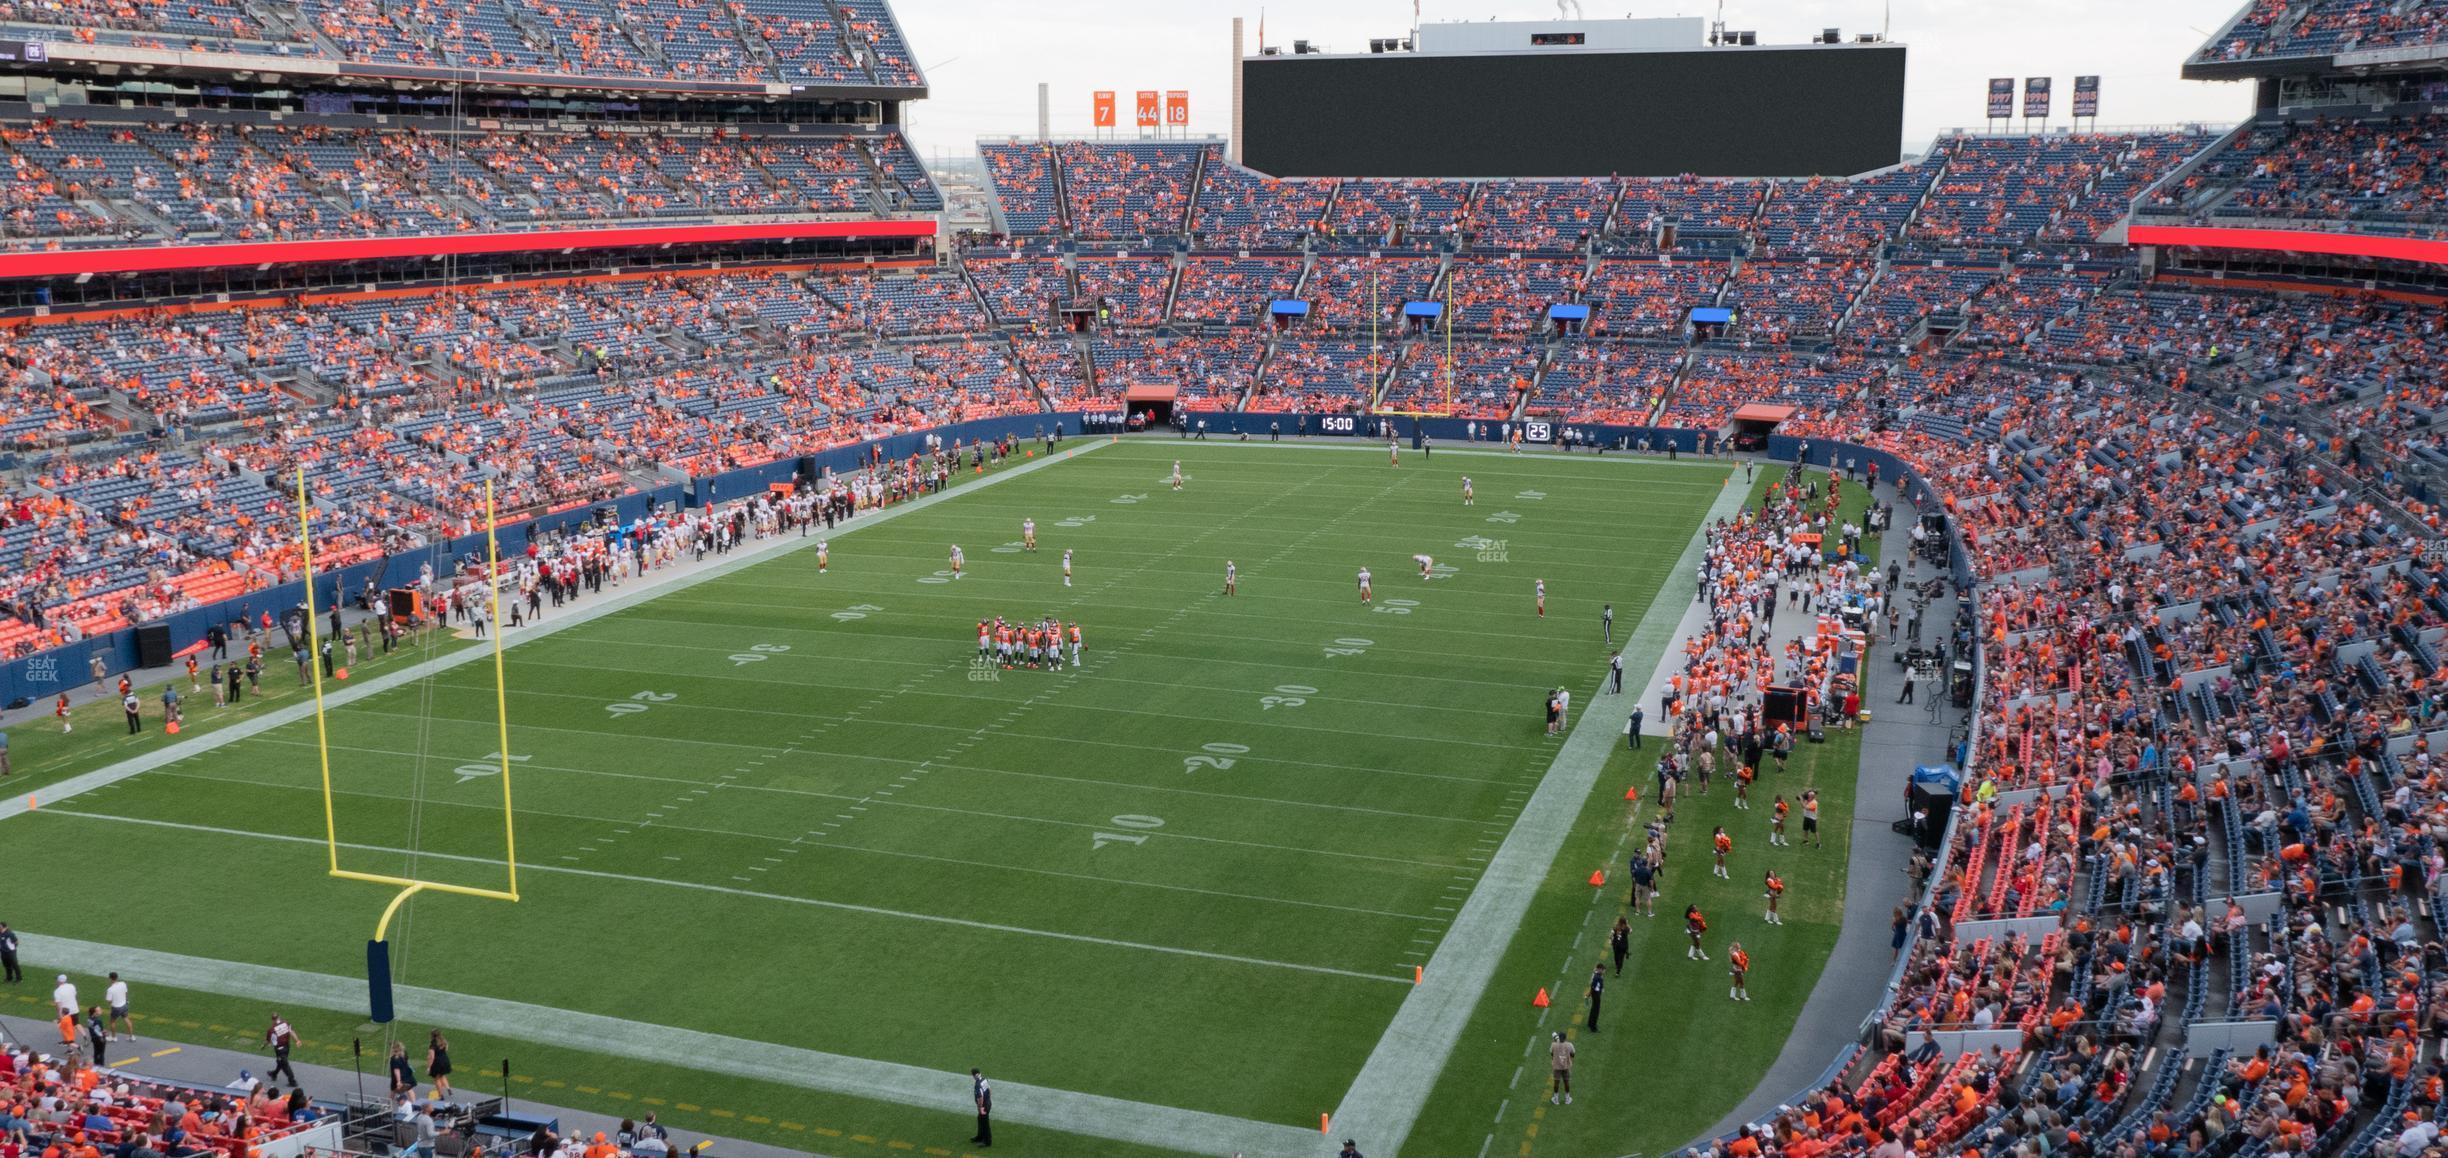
pixel 1732 112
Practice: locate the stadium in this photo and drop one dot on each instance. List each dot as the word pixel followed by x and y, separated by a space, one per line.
pixel 572 584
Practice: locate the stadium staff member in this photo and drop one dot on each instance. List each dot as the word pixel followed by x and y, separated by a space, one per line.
pixel 9 971
pixel 282 1039
pixel 982 1091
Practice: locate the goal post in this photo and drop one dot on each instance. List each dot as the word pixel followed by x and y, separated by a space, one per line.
pixel 378 969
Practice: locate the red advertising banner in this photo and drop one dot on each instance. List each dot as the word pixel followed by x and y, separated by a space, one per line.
pixel 1104 108
pixel 1146 112
pixel 1177 109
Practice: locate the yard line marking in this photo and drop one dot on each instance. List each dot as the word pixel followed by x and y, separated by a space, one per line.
pixel 164 1052
pixel 1517 1073
pixel 1386 1099
pixel 810 902
pixel 645 590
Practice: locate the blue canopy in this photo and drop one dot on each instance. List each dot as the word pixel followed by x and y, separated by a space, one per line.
pixel 1423 309
pixel 1938 777
pixel 1568 313
pixel 1711 316
pixel 1287 308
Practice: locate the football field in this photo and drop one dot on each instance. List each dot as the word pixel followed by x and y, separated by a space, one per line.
pixel 1197 870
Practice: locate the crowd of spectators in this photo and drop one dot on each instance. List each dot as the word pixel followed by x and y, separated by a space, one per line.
pixel 751 41
pixel 1776 302
pixel 2008 192
pixel 92 180
pixel 1128 191
pixel 1234 291
pixel 2294 28
pixel 2378 175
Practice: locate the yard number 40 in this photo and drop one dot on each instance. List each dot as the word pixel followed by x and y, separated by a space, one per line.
pixel 1105 838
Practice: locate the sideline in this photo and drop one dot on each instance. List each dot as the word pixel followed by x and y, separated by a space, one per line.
pixel 942 1091
pixel 632 594
pixel 1385 1101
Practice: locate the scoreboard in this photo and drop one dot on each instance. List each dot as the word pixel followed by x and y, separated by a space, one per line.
pixel 1782 111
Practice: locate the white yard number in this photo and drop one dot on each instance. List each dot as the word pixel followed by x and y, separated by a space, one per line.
pixel 857 611
pixel 471 771
pixel 1508 518
pixel 1350 647
pixel 1077 521
pixel 1396 606
pixel 1009 548
pixel 938 577
pixel 1127 500
pixel 1286 696
pixel 639 702
pixel 758 654
pixel 1222 759
pixel 1134 821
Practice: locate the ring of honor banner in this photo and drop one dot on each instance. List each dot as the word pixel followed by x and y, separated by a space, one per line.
pixel 1105 108
pixel 2036 98
pixel 2001 98
pixel 2086 97
pixel 1146 110
pixel 1177 109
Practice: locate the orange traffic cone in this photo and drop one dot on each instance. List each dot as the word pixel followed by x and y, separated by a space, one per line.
pixel 1598 878
pixel 1632 793
pixel 171 727
pixel 342 673
pixel 1540 1001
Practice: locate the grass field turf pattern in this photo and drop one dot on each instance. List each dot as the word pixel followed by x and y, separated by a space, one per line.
pixel 854 845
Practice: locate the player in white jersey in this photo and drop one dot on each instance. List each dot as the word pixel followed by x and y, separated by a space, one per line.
pixel 1393 449
pixel 1066 566
pixel 824 555
pixel 1542 598
pixel 1232 577
pixel 956 561
pixel 1426 564
pixel 1028 534
pixel 1177 474
pixel 1466 492
pixel 1366 596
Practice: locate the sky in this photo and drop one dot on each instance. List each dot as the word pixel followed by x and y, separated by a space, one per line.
pixel 985 58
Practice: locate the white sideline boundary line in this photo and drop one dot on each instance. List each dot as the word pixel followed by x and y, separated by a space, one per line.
pixel 1385 1100
pixel 945 1092
pixel 643 591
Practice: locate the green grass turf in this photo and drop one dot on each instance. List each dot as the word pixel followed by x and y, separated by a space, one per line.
pixel 1674 1055
pixel 1333 843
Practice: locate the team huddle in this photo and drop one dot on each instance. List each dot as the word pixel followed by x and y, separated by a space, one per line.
pixel 1032 645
